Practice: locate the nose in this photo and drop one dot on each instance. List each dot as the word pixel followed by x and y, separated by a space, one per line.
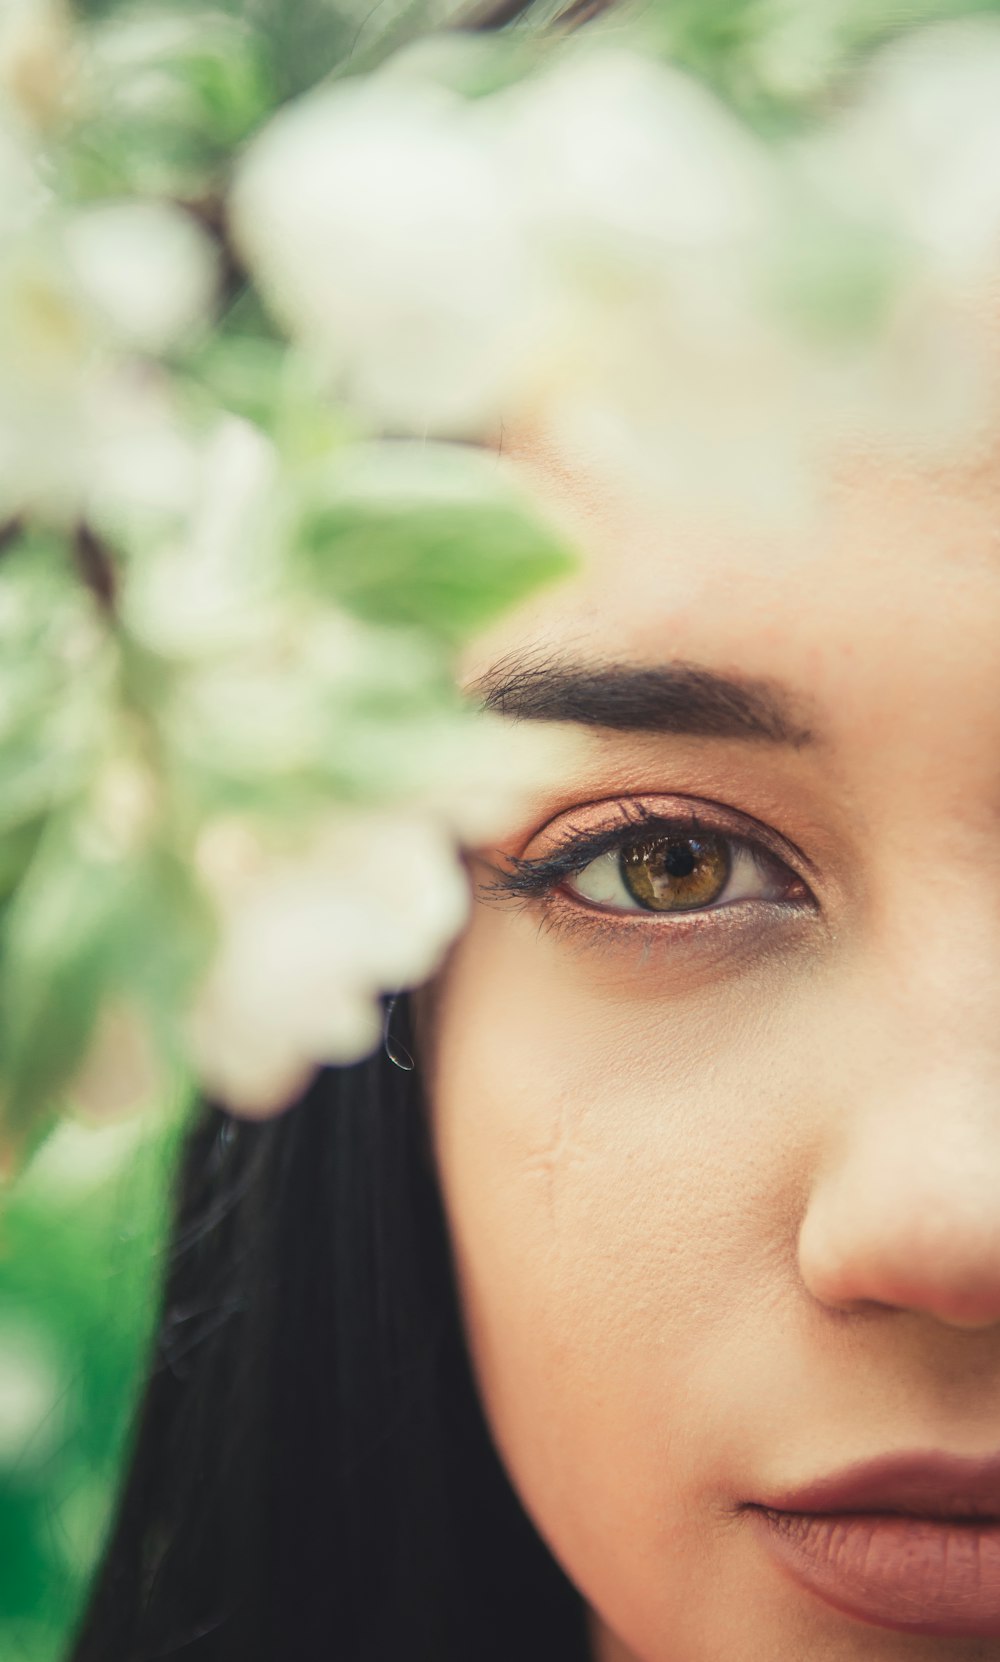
pixel 904 1206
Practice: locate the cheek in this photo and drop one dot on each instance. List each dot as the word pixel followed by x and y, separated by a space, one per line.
pixel 621 1190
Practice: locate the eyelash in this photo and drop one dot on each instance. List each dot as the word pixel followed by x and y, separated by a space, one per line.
pixel 542 879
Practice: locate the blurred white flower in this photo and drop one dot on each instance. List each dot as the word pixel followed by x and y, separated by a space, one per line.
pixel 478 773
pixel 921 140
pixel 457 258
pixel 310 938
pixel 213 580
pixel 769 299
pixel 382 228
pixel 138 457
pixel 83 423
pixel 590 250
pixel 616 157
pixel 147 269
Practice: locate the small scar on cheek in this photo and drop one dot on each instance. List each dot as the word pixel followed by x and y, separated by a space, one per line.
pixel 551 1160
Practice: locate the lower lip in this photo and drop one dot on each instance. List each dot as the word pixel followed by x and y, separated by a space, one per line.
pixel 916 1575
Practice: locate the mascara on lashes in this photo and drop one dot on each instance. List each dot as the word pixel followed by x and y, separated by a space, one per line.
pixel 535 878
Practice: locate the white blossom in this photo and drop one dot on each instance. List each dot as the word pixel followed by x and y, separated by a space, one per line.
pixel 146 268
pixel 212 581
pixel 626 160
pixel 380 225
pixel 310 938
pixel 481 774
pixel 81 421
pixel 589 249
pixel 921 141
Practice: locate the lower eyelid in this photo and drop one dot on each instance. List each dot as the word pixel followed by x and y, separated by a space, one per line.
pixel 739 932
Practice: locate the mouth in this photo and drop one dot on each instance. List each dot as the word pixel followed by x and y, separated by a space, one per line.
pixel 909 1542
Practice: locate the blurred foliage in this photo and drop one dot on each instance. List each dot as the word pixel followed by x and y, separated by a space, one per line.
pixel 81 1242
pixel 300 43
pixel 777 61
pixel 159 662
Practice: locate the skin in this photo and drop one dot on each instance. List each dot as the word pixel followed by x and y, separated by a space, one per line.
pixel 724 1203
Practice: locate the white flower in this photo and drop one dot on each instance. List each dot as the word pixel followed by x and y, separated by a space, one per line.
pixel 478 774
pixel 146 268
pixel 82 424
pixel 138 459
pixel 310 938
pixel 211 582
pixel 382 229
pixel 633 160
pixel 922 140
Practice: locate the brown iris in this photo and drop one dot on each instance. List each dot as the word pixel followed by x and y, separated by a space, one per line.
pixel 676 873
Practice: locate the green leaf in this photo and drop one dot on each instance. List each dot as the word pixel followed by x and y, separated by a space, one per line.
pixel 175 90
pixel 84 926
pixel 17 849
pixel 427 536
pixel 81 1242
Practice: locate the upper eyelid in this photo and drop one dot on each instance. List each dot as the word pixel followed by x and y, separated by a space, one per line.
pixel 610 836
pixel 732 822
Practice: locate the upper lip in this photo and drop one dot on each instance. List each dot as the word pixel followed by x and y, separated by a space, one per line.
pixel 925 1485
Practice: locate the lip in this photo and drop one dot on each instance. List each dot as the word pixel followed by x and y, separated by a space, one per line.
pixel 927 1485
pixel 908 1541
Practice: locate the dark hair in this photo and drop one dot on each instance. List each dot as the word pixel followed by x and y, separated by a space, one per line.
pixel 312 1478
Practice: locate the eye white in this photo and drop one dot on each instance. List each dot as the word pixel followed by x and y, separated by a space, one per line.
pixel 751 877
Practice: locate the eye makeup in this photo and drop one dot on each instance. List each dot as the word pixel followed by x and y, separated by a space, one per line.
pixel 649 865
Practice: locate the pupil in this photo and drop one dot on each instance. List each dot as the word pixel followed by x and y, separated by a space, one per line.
pixel 679 861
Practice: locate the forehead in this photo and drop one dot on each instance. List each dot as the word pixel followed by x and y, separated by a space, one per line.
pixel 890 584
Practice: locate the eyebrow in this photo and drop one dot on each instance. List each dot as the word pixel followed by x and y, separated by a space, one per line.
pixel 679 698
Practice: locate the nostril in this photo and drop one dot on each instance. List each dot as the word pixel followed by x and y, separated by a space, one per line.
pixel 957 1283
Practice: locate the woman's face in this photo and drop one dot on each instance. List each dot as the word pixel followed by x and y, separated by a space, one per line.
pixel 719 1136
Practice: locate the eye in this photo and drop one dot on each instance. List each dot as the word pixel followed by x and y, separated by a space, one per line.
pixel 656 861
pixel 683 871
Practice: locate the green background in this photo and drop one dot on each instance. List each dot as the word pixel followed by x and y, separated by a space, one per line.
pixel 81 1251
